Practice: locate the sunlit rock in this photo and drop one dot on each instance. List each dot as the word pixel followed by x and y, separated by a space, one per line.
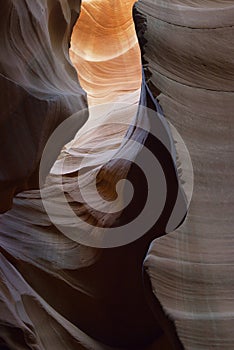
pixel 58 292
pixel 106 52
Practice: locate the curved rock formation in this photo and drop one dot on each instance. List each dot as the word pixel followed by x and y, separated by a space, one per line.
pixel 56 292
pixel 84 292
pixel 105 50
pixel 39 86
pixel 190 58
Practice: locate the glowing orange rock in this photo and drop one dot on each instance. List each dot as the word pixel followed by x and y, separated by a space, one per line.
pixel 105 50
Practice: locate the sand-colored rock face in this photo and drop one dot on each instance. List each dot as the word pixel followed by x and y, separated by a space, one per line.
pixel 190 55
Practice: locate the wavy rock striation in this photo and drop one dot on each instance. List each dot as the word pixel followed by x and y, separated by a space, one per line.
pixel 39 86
pixel 105 50
pixel 55 291
pixel 190 56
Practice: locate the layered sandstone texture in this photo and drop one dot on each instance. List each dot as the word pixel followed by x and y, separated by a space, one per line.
pixel 45 294
pixel 39 86
pixel 190 58
pixel 105 50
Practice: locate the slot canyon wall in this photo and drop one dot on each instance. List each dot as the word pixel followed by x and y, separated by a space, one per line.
pixel 48 278
pixel 190 57
pixel 39 86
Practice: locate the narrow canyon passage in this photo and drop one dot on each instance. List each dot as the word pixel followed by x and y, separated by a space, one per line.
pixel 58 290
pixel 105 50
pixel 94 295
pixel 106 54
pixel 98 292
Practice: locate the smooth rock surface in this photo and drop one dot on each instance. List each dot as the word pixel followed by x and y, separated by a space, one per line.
pixel 56 292
pixel 190 56
pixel 39 86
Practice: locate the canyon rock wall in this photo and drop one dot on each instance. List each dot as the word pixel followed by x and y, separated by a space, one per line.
pixel 190 69
pixel 53 287
pixel 190 58
pixel 39 86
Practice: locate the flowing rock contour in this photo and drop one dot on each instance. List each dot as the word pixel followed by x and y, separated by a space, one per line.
pixel 57 291
pixel 190 58
pixel 39 86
